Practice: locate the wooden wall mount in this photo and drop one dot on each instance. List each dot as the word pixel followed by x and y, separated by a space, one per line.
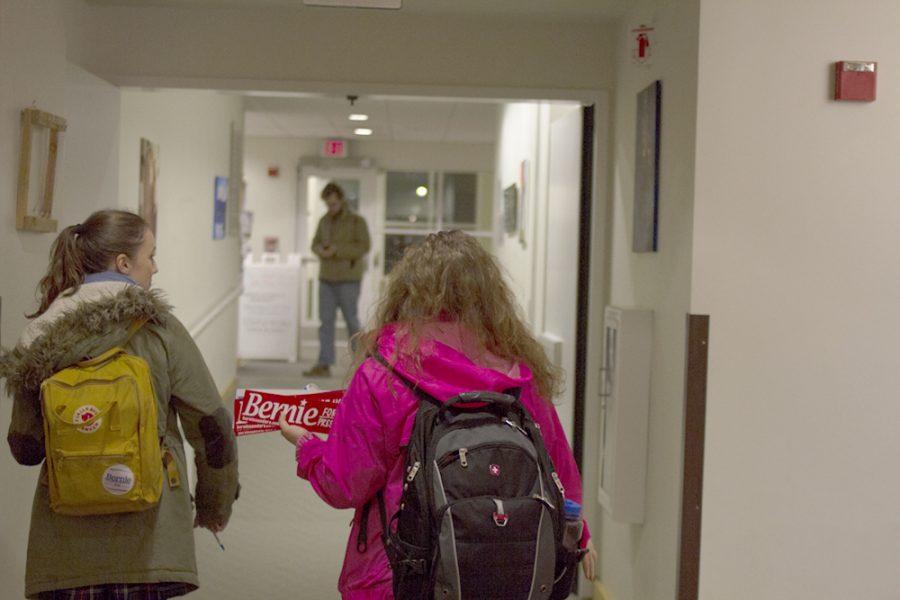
pixel 696 368
pixel 43 221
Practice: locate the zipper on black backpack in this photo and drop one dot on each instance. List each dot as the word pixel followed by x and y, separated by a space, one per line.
pixel 462 454
pixel 558 483
pixel 411 472
pixel 508 421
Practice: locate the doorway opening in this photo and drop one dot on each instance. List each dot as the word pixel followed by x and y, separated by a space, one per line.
pixel 406 188
pixel 428 163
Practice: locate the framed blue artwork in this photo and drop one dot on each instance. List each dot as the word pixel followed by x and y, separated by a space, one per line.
pixel 646 169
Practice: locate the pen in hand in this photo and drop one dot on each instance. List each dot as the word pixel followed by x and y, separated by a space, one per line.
pixel 216 535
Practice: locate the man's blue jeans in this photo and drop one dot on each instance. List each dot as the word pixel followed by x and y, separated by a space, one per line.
pixel 334 294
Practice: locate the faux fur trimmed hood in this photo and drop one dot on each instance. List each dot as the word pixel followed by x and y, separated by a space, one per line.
pixel 86 323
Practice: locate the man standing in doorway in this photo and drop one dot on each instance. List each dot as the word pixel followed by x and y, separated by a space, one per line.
pixel 341 242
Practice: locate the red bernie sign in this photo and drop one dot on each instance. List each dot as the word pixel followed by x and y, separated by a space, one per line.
pixel 259 412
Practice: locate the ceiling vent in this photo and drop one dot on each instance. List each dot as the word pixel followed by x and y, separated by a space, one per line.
pixel 355 3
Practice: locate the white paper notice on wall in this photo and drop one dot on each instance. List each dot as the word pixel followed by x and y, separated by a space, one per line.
pixel 269 309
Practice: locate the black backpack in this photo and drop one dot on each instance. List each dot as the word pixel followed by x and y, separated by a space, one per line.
pixel 481 514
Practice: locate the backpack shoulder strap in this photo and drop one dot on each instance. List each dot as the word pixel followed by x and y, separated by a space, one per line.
pixel 101 358
pixel 414 387
pixel 134 329
pixel 515 392
pixel 362 542
pixel 362 538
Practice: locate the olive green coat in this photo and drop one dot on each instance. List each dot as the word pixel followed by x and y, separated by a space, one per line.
pixel 348 234
pixel 151 546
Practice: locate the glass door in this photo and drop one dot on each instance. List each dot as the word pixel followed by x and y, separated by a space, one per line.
pixel 363 197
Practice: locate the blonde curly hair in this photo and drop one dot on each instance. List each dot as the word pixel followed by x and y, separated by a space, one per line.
pixel 451 277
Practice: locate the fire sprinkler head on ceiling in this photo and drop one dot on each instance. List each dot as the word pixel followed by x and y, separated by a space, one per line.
pixel 352 98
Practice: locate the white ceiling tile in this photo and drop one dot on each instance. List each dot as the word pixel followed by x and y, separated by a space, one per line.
pixel 260 124
pixel 472 122
pixel 392 119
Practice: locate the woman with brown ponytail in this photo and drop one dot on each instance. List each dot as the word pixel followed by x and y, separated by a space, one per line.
pixel 96 286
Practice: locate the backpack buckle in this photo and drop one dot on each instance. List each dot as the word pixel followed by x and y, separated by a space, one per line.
pixel 500 516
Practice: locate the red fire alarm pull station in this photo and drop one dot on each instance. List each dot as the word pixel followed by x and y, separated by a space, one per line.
pixel 855 80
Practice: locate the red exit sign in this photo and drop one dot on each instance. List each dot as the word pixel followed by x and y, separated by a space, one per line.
pixel 335 149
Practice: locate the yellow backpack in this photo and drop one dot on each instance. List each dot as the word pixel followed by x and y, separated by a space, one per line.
pixel 100 430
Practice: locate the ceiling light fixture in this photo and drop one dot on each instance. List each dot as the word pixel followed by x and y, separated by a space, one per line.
pixel 358 117
pixel 355 3
pixel 421 191
pixel 362 131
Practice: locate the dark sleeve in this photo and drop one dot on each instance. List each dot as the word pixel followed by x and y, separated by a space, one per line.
pixel 317 244
pixel 207 426
pixel 26 431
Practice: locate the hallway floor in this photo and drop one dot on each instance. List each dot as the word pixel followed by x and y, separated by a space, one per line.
pixel 283 541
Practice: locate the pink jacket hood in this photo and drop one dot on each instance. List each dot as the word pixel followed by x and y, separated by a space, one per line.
pixel 442 366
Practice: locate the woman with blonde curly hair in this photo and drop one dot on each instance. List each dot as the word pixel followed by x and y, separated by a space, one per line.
pixel 447 323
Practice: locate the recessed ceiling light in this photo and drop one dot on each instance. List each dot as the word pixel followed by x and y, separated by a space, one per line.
pixel 358 117
pixel 421 191
pixel 362 131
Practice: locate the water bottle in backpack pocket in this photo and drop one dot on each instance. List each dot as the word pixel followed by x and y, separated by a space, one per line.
pixel 571 552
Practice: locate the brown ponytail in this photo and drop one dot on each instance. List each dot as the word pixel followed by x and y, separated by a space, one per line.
pixel 91 247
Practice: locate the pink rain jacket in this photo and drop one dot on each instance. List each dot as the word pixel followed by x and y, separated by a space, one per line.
pixel 365 450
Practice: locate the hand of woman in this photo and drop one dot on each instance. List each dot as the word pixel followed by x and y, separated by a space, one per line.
pixel 291 433
pixel 214 526
pixel 589 562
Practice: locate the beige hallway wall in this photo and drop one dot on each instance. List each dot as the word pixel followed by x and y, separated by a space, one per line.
pixel 34 70
pixel 795 259
pixel 640 561
pixel 192 129
pixel 342 51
